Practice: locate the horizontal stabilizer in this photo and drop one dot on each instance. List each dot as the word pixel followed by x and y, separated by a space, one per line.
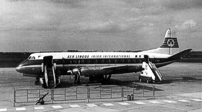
pixel 179 55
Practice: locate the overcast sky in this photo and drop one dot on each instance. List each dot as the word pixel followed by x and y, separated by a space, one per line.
pixel 103 25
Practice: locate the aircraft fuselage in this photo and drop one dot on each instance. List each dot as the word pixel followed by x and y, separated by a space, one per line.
pixel 92 62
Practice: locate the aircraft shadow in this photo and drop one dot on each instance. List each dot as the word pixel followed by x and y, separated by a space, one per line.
pixel 191 79
pixel 182 79
pixel 130 84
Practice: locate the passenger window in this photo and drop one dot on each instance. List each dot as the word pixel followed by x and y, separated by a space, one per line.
pixel 88 61
pixel 122 61
pixel 95 61
pixel 74 61
pixel 108 61
pixel 82 61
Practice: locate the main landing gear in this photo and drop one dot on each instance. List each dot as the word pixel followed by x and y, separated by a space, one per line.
pixel 37 82
pixel 99 78
pixel 77 74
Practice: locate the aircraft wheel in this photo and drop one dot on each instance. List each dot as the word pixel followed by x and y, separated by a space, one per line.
pixel 57 81
pixel 44 84
pixel 140 79
pixel 37 82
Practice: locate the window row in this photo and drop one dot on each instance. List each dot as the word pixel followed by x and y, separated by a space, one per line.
pixel 106 61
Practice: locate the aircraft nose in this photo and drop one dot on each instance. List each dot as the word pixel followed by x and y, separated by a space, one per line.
pixel 19 68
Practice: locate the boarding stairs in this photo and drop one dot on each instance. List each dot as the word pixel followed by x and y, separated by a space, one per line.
pixel 156 72
pixel 49 72
pixel 150 72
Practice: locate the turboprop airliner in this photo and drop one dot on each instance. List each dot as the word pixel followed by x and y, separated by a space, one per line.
pixel 47 67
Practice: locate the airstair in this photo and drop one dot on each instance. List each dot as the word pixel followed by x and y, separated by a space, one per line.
pixel 49 72
pixel 150 72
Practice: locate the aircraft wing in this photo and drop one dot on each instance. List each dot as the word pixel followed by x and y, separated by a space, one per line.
pixel 123 68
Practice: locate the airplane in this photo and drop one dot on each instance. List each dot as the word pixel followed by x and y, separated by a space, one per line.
pixel 47 67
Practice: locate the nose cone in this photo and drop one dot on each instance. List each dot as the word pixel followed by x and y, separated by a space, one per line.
pixel 19 68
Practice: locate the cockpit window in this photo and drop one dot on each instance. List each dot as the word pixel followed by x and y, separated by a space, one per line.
pixel 31 58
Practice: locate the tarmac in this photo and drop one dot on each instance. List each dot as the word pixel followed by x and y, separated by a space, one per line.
pixel 180 103
pixel 181 91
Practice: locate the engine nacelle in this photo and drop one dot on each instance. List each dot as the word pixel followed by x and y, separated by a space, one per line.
pixel 75 71
pixel 87 71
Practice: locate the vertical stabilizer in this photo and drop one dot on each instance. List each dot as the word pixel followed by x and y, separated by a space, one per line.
pixel 170 45
pixel 168 33
pixel 169 41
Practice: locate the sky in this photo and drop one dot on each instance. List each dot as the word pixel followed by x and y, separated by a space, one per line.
pixel 102 25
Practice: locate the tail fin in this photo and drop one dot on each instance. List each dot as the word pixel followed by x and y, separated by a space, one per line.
pixel 170 45
pixel 169 41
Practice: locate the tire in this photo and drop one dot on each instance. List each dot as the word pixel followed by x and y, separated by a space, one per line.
pixel 147 80
pixel 44 84
pixel 140 79
pixel 36 82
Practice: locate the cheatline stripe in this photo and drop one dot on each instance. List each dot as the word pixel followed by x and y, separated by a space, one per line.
pixel 100 65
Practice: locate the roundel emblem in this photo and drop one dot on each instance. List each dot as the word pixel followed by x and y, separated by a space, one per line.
pixel 170 42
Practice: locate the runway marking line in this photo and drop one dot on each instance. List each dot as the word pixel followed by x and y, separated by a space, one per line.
pixel 169 101
pixel 38 108
pixel 154 101
pixel 3 109
pixel 197 100
pixel 57 106
pixel 91 105
pixel 183 100
pixel 20 108
pixel 74 106
pixel 124 103
pixel 108 104
pixel 139 102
